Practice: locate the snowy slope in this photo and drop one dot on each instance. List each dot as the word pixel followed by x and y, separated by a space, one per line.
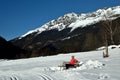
pixel 45 68
pixel 73 20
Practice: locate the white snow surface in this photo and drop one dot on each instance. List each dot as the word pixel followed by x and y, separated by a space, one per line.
pixel 73 20
pixel 94 67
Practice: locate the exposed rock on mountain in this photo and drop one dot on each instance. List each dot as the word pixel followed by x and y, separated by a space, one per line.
pixel 71 33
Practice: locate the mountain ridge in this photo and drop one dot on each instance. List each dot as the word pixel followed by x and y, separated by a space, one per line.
pixel 67 34
pixel 9 51
pixel 80 20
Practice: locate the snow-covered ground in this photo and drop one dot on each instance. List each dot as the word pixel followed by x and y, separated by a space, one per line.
pixel 46 68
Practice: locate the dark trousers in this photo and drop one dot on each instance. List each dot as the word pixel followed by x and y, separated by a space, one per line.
pixel 69 66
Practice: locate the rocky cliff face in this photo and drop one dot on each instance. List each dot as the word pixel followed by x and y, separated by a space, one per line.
pixel 70 33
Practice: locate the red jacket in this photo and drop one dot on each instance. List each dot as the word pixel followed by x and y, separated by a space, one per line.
pixel 73 61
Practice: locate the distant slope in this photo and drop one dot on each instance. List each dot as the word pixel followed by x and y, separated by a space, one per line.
pixel 70 33
pixel 8 50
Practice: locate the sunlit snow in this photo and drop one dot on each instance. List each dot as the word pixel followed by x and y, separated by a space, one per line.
pixel 94 67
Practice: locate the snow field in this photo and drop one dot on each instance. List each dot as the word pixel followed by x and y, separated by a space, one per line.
pixel 94 67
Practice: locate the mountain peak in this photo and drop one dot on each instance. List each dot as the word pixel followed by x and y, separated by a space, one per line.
pixel 73 20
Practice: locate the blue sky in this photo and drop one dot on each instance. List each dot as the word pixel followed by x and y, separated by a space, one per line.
pixel 19 16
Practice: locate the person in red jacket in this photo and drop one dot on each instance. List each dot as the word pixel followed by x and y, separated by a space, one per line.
pixel 73 62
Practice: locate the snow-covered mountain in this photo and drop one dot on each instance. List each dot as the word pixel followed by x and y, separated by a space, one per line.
pixel 46 68
pixel 73 20
pixel 71 33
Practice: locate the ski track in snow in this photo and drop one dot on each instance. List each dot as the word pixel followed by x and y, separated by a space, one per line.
pixel 26 76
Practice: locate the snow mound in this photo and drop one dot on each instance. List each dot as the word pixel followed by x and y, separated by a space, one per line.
pixel 103 76
pixel 109 47
pixel 90 64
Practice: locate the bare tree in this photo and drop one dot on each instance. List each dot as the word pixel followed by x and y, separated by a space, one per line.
pixel 105 54
pixel 109 30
